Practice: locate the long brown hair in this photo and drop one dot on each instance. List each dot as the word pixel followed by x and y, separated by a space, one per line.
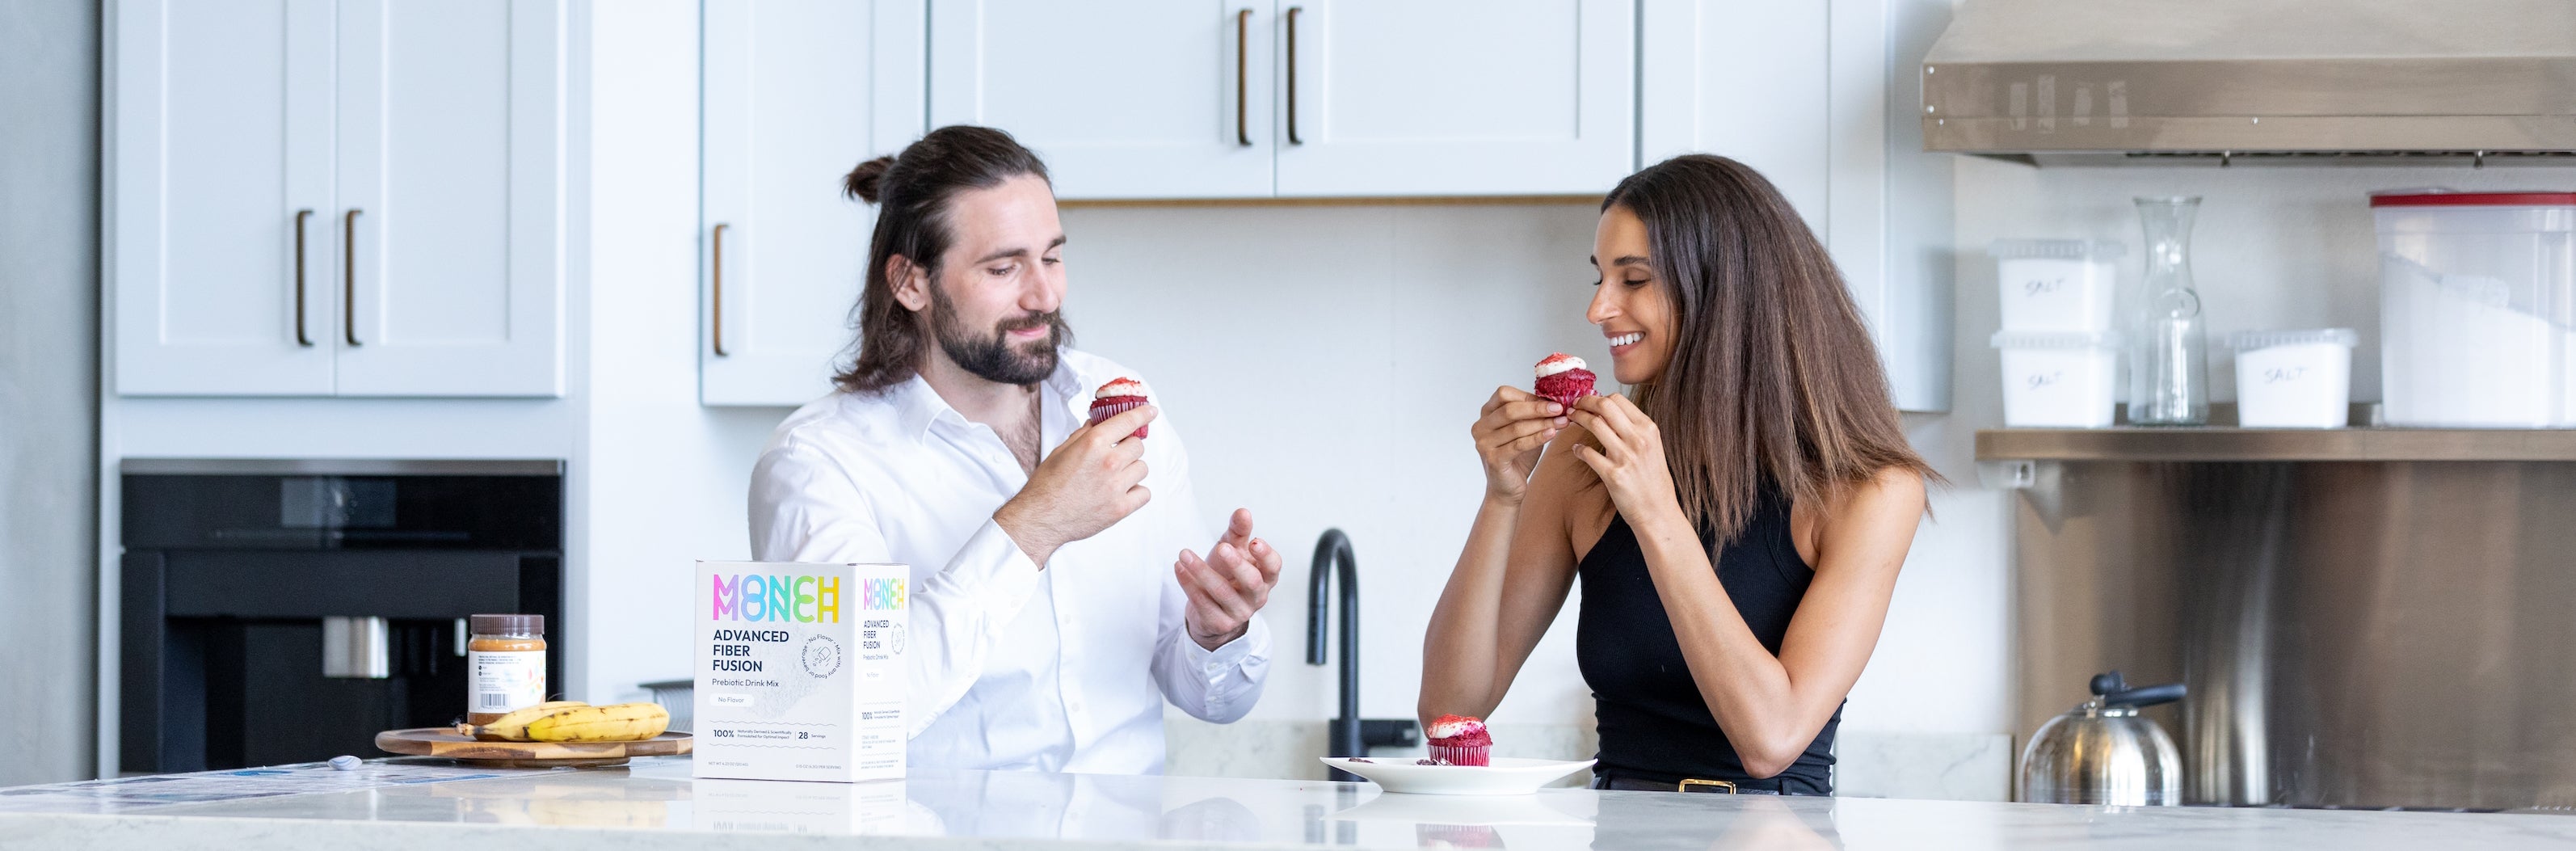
pixel 1774 383
pixel 912 190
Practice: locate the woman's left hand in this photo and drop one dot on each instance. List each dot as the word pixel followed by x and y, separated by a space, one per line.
pixel 1630 461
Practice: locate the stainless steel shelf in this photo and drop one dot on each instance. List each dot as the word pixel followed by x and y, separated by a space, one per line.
pixel 2257 444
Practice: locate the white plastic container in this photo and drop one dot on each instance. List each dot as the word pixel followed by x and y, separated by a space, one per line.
pixel 2294 379
pixel 2056 284
pixel 2059 379
pixel 2477 308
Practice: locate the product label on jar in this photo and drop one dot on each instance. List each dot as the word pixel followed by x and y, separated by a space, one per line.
pixel 503 681
pixel 800 671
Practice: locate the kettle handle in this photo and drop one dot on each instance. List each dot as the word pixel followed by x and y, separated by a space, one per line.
pixel 2115 691
pixel 2146 696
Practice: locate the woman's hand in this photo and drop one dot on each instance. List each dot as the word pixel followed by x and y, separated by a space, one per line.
pixel 1630 461
pixel 1514 425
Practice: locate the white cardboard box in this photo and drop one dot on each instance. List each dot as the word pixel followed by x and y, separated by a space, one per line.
pixel 799 671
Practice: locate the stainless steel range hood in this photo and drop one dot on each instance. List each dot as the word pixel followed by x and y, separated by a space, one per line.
pixel 2233 81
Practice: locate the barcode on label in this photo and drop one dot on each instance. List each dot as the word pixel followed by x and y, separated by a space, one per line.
pixel 496 701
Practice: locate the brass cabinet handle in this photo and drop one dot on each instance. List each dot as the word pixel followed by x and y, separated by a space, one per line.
pixel 300 338
pixel 718 299
pixel 1242 39
pixel 349 278
pixel 1292 75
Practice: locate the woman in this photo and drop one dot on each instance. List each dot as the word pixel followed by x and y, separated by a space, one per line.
pixel 1737 526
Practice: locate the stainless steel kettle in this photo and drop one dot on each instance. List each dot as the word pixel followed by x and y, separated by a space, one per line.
pixel 2103 753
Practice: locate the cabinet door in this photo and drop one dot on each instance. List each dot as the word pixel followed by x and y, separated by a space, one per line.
pixel 451 198
pixel 1742 80
pixel 220 135
pixel 1432 97
pixel 796 93
pixel 1136 99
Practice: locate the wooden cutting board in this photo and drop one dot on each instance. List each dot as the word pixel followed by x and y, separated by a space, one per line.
pixel 446 742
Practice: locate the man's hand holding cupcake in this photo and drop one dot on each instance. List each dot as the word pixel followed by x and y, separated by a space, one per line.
pixel 1088 484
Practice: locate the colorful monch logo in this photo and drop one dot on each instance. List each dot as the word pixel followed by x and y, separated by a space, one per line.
pixel 766 597
pixel 880 594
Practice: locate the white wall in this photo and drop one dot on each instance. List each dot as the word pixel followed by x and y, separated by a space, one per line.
pixel 48 387
pixel 1327 362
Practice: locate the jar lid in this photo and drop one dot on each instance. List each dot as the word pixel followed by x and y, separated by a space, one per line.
pixel 2246 341
pixel 2450 198
pixel 2056 339
pixel 507 624
pixel 2056 249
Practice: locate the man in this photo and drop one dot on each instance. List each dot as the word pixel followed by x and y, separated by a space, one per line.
pixel 1046 628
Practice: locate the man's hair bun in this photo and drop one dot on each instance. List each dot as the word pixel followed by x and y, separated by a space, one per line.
pixel 867 182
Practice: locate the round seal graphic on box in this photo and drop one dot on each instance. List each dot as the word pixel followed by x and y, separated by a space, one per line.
pixel 894 640
pixel 821 655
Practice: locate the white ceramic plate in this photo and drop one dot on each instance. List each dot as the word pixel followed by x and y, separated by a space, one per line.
pixel 1507 776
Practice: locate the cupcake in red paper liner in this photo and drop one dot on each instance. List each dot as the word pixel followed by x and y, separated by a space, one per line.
pixel 1562 379
pixel 1461 740
pixel 1119 395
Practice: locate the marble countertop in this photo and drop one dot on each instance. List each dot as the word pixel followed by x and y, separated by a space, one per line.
pixel 654 804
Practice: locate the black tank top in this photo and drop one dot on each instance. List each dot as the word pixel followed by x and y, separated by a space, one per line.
pixel 1654 724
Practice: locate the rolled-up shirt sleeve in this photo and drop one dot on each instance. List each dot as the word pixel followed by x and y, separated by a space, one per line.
pixel 1218 685
pixel 806 508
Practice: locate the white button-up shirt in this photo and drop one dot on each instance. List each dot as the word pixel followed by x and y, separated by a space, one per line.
pixel 1062 669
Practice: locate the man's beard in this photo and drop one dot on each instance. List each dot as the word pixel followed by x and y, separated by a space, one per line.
pixel 988 355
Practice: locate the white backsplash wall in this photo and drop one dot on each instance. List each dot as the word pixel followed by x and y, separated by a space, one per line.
pixel 1324 364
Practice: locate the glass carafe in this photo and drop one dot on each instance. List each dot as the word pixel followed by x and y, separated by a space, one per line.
pixel 2169 370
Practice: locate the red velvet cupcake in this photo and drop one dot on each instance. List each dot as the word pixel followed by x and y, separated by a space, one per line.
pixel 1461 740
pixel 1119 395
pixel 1562 379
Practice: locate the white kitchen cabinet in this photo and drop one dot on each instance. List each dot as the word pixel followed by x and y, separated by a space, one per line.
pixel 796 93
pixel 1136 99
pixel 1198 99
pixel 220 145
pixel 1427 97
pixel 450 159
pixel 414 153
pixel 1819 97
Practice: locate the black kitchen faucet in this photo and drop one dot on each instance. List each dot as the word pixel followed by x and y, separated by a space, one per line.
pixel 1349 735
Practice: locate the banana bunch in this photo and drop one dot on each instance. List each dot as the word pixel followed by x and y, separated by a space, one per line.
pixel 574 721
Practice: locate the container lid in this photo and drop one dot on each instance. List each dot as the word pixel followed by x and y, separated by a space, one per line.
pixel 2057 339
pixel 2246 341
pixel 2056 249
pixel 507 624
pixel 2452 198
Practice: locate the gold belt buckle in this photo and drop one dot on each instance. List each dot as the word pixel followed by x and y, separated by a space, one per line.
pixel 1721 785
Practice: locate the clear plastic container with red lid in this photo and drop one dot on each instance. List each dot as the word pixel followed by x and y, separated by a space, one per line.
pixel 2477 308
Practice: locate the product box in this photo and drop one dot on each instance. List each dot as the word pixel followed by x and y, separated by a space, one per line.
pixel 799 671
